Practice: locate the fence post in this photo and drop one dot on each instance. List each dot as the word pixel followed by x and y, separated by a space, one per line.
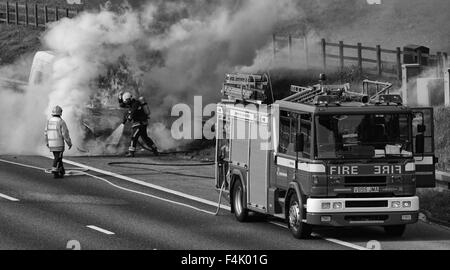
pixel 17 13
pixel 379 64
pixel 46 14
pixel 360 62
pixel 305 40
pixel 445 58
pixel 36 18
pixel 439 66
pixel 419 57
pixel 27 20
pixel 341 55
pixel 67 12
pixel 7 13
pixel 324 54
pixel 290 47
pixel 56 14
pixel 399 63
pixel 274 43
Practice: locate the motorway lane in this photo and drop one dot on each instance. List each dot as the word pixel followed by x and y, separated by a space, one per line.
pixel 418 236
pixel 51 212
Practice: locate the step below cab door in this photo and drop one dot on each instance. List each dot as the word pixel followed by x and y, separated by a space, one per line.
pixel 423 127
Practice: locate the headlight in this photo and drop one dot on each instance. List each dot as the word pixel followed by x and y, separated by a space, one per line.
pixel 337 205
pixel 396 204
pixel 326 205
pixel 406 204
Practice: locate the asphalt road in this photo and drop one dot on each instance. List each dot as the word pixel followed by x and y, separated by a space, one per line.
pixel 39 212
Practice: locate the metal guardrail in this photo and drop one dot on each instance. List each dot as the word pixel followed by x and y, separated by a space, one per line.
pixel 443 179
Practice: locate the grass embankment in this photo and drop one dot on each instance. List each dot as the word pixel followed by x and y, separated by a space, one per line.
pixel 436 204
pixel 442 136
pixel 16 41
pixel 433 201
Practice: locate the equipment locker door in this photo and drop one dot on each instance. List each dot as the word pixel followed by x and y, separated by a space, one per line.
pixel 425 163
pixel 259 168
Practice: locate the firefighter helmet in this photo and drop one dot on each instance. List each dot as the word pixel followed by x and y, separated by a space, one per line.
pixel 126 97
pixel 142 101
pixel 57 111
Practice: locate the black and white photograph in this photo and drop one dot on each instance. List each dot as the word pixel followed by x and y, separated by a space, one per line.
pixel 221 132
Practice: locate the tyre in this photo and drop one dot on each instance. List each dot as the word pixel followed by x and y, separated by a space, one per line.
pixel 240 212
pixel 396 230
pixel 295 216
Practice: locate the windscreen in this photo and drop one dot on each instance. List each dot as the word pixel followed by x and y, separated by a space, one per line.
pixel 363 136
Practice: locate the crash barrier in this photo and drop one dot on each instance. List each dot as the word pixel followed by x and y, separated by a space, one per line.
pixel 372 60
pixel 36 15
pixel 443 179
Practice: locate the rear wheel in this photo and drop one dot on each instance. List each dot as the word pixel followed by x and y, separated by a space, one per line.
pixel 240 212
pixel 396 230
pixel 299 229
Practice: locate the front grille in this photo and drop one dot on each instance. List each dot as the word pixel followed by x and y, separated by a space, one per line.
pixel 365 195
pixel 370 218
pixel 365 181
pixel 360 204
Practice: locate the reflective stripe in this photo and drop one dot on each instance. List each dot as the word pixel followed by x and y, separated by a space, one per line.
pixel 312 168
pixel 306 167
pixel 424 160
pixel 410 167
pixel 286 162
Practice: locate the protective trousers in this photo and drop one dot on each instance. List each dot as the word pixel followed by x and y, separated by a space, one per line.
pixel 58 165
pixel 141 131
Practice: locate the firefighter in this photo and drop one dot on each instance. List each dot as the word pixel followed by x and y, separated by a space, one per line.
pixel 56 133
pixel 138 113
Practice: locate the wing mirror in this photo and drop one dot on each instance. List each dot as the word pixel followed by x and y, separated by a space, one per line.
pixel 421 128
pixel 420 144
pixel 299 142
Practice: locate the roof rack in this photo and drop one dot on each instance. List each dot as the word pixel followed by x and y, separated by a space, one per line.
pixel 322 94
pixel 245 87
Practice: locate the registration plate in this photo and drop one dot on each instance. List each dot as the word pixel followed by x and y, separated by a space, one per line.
pixel 366 190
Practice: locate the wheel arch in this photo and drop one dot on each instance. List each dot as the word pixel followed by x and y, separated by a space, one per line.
pixel 236 175
pixel 294 188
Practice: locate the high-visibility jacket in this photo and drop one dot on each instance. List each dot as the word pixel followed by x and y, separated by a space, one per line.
pixel 56 133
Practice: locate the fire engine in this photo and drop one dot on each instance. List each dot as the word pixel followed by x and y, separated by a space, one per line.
pixel 324 156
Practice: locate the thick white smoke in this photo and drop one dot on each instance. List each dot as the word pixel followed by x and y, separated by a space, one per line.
pixel 184 54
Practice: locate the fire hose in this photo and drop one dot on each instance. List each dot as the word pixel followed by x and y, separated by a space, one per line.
pixel 121 164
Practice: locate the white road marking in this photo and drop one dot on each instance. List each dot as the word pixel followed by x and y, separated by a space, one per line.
pixel 142 183
pixel 180 194
pixel 149 195
pixel 100 230
pixel 8 197
pixel 336 241
pixel 340 242
pixel 21 164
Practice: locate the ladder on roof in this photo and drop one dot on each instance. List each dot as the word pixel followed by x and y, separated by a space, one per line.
pixel 304 94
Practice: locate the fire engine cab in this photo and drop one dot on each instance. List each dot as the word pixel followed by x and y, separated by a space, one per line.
pixel 324 156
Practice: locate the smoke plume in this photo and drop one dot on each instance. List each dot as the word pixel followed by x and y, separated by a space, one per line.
pixel 173 50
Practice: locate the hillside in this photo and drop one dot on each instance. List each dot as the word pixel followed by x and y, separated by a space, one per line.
pixel 394 23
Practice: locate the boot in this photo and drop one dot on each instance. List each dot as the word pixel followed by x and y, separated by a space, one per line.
pixel 155 151
pixel 130 154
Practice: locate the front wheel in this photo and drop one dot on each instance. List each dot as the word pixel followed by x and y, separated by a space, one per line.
pixel 298 228
pixel 240 212
pixel 396 230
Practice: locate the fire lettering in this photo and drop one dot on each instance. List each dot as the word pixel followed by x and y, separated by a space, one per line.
pixel 387 169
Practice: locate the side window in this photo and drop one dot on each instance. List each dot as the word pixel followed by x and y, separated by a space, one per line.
pixel 288 131
pixel 305 128
pixel 425 117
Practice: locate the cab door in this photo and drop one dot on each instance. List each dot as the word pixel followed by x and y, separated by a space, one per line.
pixel 286 160
pixel 425 162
